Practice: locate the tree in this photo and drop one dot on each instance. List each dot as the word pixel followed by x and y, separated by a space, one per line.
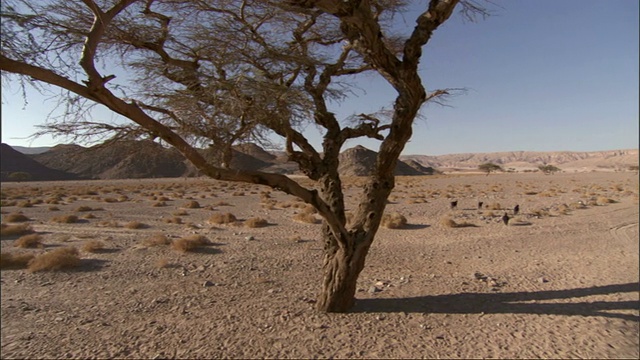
pixel 548 169
pixel 489 168
pixel 20 176
pixel 219 72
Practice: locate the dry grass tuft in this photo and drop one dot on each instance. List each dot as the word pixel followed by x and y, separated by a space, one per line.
pixel 158 239
pixel 163 263
pixel 29 241
pixel 16 217
pixel 495 206
pixel 189 243
pixel 306 218
pixel 84 208
pixel 173 220
pixel 450 223
pixel 15 230
pixel 222 218
pixel 65 219
pixel 14 261
pixel 136 225
pixel 394 221
pixel 93 246
pixel 256 222
pixel 192 205
pixel 601 200
pixel 54 208
pixel 58 259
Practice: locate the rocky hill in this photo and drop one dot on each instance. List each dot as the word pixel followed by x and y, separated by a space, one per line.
pixel 523 160
pixel 14 161
pixel 359 161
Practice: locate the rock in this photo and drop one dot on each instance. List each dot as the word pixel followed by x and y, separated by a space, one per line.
pixel 200 268
pixel 249 238
pixel 373 290
pixel 208 283
pixel 543 280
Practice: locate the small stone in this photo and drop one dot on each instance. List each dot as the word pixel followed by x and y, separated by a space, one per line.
pixel 249 238
pixel 543 280
pixel 373 290
pixel 380 283
pixel 208 283
pixel 200 268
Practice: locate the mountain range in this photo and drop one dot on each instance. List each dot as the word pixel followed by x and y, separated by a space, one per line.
pixel 148 159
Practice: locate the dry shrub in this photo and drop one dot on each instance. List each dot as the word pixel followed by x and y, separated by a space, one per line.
pixel 309 209
pixel 84 208
pixel 163 263
pixel 601 200
pixel 65 219
pixel 16 217
pixel 192 205
pixel 54 208
pixel 222 203
pixel 58 259
pixel 394 221
pixel 222 218
pixel 163 198
pixel 306 218
pixel 14 261
pixel 531 193
pixel 238 193
pixel 156 240
pixel 110 200
pixel 189 243
pixel 256 222
pixel 578 205
pixel 173 220
pixel 495 206
pixel 29 241
pixel 135 225
pixel 540 212
pixel 489 213
pixel 450 223
pixel 180 213
pixel 109 223
pixel 89 216
pixel 25 204
pixel 159 204
pixel 93 246
pixel 15 230
pixel 563 209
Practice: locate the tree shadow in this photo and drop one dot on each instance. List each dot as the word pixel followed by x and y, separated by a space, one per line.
pixel 414 227
pixel 511 303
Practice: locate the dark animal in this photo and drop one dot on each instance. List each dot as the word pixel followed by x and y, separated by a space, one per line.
pixel 505 219
pixel 480 205
pixel 516 210
pixel 454 204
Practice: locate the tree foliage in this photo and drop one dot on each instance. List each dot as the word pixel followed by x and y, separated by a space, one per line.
pixel 549 169
pixel 220 72
pixel 19 176
pixel 489 168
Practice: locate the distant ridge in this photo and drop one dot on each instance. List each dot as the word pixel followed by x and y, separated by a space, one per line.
pixel 14 161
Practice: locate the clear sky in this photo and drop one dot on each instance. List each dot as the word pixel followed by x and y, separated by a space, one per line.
pixel 541 75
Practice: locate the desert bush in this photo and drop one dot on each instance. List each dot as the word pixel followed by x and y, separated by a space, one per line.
pixel 159 204
pixel 58 259
pixel 494 206
pixel 305 218
pixel 163 263
pixel 89 216
pixel 222 203
pixel 29 241
pixel 54 208
pixel 189 243
pixel 180 212
pixel 93 246
pixel 14 261
pixel 238 193
pixel 540 212
pixel 25 204
pixel 16 217
pixel 222 218
pixel 173 220
pixel 447 221
pixel 15 230
pixel 394 221
pixel 84 208
pixel 256 222
pixel 65 219
pixel 110 200
pixel 601 200
pixel 135 225
pixel 156 240
pixel 192 205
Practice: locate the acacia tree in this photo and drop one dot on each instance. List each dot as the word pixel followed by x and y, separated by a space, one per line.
pixel 222 71
pixel 489 168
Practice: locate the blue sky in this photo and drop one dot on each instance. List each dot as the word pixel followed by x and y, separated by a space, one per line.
pixel 540 75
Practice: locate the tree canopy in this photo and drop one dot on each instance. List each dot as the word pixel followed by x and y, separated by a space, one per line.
pixel 220 72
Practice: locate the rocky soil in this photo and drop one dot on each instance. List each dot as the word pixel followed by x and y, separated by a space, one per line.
pixel 560 281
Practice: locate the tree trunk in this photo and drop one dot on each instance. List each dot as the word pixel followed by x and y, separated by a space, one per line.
pixel 341 270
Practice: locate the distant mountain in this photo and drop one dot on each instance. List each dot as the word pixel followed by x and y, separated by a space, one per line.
pixel 519 160
pixel 359 161
pixel 31 150
pixel 116 160
pixel 14 161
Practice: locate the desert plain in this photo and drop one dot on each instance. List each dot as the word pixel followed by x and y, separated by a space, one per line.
pixel 561 280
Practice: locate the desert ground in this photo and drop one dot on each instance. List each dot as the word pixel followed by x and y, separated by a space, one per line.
pixel 561 280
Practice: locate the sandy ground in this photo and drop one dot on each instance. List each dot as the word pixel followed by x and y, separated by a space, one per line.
pixel 560 281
